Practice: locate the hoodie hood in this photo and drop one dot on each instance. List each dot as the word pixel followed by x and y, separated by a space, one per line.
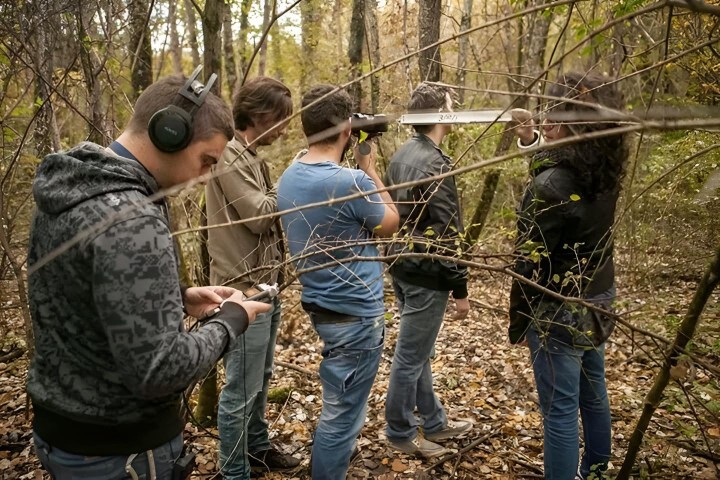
pixel 66 179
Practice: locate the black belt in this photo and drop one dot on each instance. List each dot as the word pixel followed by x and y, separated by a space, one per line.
pixel 320 314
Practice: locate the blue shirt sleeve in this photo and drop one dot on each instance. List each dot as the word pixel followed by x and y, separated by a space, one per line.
pixel 369 210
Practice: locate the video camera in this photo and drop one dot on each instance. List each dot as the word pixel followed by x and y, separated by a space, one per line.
pixel 372 125
pixel 365 126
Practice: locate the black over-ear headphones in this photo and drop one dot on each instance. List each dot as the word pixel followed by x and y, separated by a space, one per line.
pixel 171 128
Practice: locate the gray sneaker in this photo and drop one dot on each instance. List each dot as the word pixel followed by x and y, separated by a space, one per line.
pixel 418 446
pixel 453 429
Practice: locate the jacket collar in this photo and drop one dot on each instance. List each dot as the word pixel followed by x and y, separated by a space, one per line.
pixel 421 137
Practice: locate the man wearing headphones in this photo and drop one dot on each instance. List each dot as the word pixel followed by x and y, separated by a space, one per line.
pixel 112 354
pixel 245 255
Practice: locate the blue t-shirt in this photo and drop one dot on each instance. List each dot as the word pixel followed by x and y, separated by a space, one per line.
pixel 332 232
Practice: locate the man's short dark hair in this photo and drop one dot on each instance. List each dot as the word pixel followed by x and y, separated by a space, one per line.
pixel 428 97
pixel 325 115
pixel 259 99
pixel 212 117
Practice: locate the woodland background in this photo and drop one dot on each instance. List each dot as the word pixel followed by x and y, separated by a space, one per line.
pixel 70 71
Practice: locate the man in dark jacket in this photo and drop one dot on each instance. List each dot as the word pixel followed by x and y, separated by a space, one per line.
pixel 112 355
pixel 431 223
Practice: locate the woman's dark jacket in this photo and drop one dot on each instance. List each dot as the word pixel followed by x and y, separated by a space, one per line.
pixel 564 240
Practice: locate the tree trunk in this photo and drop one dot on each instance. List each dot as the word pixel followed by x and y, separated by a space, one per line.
pixel 355 50
pixel 192 31
pixel 490 184
pixel 91 69
pixel 267 12
pixel 46 136
pixel 179 221
pixel 276 48
pixel 310 17
pixel 228 48
pixel 534 45
pixel 206 409
pixel 211 22
pixel 175 48
pixel 406 47
pixel 211 26
pixel 140 46
pixel 617 54
pixel 591 59
pixel 242 37
pixel 463 43
pixel 339 38
pixel 429 33
pixel 373 43
pixel 670 369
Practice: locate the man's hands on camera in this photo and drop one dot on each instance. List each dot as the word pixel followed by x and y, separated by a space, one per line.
pixel 366 163
pixel 525 128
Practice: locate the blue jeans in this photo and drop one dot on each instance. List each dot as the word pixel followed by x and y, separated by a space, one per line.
pixel 351 356
pixel 241 411
pixel 63 465
pixel 411 381
pixel 569 378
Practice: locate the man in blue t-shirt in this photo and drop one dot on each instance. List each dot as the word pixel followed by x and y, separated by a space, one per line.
pixel 342 296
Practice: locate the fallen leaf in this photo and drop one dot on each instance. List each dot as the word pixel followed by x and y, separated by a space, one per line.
pixel 398 466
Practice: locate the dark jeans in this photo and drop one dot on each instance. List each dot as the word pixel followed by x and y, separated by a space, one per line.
pixel 241 410
pixel 351 356
pixel 63 465
pixel 411 381
pixel 569 378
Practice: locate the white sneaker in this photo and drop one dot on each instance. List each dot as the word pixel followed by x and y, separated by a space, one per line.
pixel 453 429
pixel 418 446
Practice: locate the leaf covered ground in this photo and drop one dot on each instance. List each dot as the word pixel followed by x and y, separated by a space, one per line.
pixel 478 376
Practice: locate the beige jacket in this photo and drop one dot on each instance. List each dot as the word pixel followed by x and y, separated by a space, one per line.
pixel 241 189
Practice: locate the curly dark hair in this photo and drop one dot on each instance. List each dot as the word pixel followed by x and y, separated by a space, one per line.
pixel 598 164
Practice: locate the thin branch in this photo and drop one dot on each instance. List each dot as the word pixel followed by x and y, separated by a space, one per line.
pixel 266 31
pixel 696 6
pixel 459 453
pixel 297 368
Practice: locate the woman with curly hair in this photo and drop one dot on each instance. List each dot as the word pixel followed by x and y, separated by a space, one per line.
pixel 565 244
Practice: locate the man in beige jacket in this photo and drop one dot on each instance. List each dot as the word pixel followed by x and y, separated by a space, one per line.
pixel 244 255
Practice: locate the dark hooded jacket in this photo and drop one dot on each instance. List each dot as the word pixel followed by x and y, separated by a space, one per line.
pixel 111 352
pixel 564 243
pixel 430 218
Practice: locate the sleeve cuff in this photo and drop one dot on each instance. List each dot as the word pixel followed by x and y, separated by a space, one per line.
pixel 233 317
pixel 183 289
pixel 534 143
pixel 460 292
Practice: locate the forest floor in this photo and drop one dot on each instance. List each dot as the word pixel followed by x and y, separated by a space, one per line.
pixel 479 376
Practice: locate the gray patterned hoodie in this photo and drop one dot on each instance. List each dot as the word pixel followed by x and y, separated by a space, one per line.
pixel 112 355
